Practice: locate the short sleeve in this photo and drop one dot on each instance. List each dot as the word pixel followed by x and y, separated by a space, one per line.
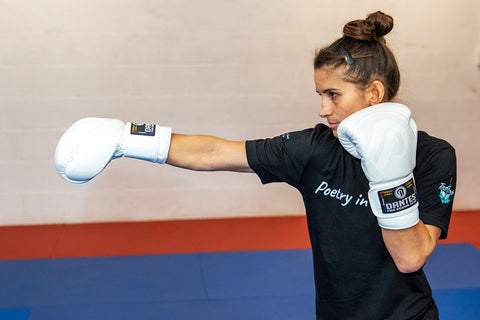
pixel 436 177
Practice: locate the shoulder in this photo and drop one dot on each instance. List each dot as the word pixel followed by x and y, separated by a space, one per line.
pixel 319 135
pixel 436 164
pixel 431 149
pixel 427 141
pixel 300 137
pixel 297 145
pixel 320 131
pixel 284 157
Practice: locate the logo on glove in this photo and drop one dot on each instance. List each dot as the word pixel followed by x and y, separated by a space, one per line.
pixel 143 129
pixel 398 198
pixel 400 192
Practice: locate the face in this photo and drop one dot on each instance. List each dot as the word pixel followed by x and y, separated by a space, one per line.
pixel 339 98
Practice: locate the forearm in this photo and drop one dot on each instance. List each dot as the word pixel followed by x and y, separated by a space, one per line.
pixel 207 153
pixel 410 248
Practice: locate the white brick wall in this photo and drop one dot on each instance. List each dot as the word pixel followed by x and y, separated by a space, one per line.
pixel 237 69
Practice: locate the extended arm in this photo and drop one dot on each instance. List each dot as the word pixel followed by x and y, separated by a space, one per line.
pixel 89 145
pixel 207 153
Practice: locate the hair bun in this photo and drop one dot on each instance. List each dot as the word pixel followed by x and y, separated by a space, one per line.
pixel 373 28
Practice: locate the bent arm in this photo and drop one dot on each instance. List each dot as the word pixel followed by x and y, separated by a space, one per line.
pixel 410 248
pixel 207 153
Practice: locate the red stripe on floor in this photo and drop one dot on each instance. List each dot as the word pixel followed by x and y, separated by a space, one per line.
pixel 464 227
pixel 28 241
pixel 477 244
pixel 184 236
pixel 158 237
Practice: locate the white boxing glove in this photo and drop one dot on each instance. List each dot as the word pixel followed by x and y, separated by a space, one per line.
pixel 87 147
pixel 384 137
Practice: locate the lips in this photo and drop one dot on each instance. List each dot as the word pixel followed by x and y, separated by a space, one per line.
pixel 333 125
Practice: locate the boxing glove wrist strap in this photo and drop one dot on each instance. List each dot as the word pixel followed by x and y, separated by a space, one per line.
pixel 395 204
pixel 146 142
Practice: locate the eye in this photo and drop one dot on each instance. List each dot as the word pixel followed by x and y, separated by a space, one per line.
pixel 333 95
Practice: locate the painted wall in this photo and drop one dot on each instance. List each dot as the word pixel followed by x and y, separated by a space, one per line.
pixel 235 69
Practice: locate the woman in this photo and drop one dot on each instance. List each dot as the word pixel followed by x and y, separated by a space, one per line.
pixel 364 268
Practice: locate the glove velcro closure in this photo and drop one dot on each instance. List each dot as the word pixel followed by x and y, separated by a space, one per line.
pixel 147 142
pixel 395 204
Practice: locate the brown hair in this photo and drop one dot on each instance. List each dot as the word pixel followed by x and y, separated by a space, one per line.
pixel 364 54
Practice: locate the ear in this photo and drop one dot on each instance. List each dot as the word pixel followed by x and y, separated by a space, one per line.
pixel 375 92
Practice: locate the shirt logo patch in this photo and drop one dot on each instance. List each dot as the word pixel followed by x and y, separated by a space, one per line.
pixel 446 192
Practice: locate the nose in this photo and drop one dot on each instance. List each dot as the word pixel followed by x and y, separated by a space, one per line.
pixel 325 109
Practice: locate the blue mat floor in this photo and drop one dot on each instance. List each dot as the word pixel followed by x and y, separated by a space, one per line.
pixel 229 285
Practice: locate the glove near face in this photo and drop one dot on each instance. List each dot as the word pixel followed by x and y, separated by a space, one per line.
pixel 384 138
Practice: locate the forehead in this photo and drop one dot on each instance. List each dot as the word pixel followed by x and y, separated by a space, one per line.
pixel 326 77
pixel 328 74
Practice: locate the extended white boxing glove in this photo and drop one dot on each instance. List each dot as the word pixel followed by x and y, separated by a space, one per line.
pixel 384 137
pixel 87 146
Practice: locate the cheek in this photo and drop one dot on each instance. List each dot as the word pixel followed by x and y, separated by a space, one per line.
pixel 343 113
pixel 349 109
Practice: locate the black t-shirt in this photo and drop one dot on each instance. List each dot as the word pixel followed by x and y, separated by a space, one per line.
pixel 355 277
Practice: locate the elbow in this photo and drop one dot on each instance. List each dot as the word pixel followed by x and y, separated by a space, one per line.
pixel 410 266
pixel 411 247
pixel 411 263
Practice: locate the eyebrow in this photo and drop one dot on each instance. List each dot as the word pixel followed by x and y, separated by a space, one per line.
pixel 326 91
